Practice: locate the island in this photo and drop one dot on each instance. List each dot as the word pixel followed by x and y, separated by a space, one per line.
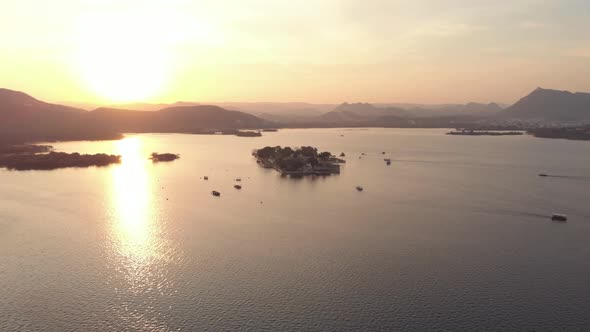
pixel 245 133
pixel 41 157
pixel 581 133
pixel 484 133
pixel 301 161
pixel 157 157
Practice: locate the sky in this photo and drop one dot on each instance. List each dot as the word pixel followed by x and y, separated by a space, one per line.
pixel 320 51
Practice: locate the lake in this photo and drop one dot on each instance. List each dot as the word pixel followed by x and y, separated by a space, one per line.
pixel 454 235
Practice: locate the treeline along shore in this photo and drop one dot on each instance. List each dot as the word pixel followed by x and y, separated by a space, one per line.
pixel 42 157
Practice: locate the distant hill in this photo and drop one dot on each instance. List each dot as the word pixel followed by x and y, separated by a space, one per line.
pixel 24 118
pixel 551 105
pixel 390 114
pixel 18 104
pixel 173 119
pixel 469 109
pixel 361 112
pixel 290 116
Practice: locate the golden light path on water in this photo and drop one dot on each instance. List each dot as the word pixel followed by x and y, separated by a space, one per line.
pixel 138 247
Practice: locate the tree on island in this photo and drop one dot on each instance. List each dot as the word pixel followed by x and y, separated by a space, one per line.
pixel 325 155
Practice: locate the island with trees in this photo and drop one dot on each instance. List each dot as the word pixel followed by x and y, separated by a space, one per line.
pixel 42 157
pixel 301 161
pixel 157 157
pixel 464 132
pixel 579 133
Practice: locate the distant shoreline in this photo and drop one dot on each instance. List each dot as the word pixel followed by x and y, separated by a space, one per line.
pixel 571 133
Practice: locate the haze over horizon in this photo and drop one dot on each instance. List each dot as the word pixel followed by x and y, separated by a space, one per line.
pixel 327 51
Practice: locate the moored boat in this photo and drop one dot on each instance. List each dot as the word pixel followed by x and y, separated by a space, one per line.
pixel 215 193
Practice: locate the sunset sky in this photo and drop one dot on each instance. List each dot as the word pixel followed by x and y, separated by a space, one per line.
pixel 427 51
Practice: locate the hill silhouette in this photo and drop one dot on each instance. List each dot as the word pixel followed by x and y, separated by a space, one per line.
pixel 551 105
pixel 16 104
pixel 361 112
pixel 181 119
pixel 24 119
pixel 469 109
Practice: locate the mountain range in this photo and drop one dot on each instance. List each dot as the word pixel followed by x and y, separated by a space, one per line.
pixel 25 118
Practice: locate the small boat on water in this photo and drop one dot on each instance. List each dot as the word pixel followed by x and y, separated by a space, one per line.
pixel 543 174
pixel 205 178
pixel 215 193
pixel 359 188
pixel 238 179
pixel 388 162
pixel 559 217
pixel 342 154
pixel 237 186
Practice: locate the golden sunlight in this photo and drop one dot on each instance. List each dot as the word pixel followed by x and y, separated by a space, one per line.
pixel 135 225
pixel 132 198
pixel 123 59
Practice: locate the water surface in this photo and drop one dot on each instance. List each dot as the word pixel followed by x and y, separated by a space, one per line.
pixel 454 235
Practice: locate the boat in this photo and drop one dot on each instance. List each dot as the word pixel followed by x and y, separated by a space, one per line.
pixel 543 174
pixel 238 179
pixel 237 186
pixel 215 193
pixel 559 217
pixel 359 188
pixel 389 162
pixel 205 178
pixel 342 154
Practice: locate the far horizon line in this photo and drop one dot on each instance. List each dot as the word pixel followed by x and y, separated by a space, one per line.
pixel 500 103
pixel 97 104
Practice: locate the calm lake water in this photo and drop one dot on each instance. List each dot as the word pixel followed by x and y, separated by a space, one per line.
pixel 454 235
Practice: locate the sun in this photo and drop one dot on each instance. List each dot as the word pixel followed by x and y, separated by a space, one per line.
pixel 123 59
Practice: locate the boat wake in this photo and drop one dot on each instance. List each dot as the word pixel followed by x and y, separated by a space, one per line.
pixel 515 213
pixel 570 177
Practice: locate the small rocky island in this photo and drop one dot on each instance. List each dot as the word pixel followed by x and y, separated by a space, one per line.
pixel 298 162
pixel 248 133
pixel 484 133
pixel 580 133
pixel 42 157
pixel 157 157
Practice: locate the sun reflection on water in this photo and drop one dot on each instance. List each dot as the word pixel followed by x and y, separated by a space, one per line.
pixel 136 231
